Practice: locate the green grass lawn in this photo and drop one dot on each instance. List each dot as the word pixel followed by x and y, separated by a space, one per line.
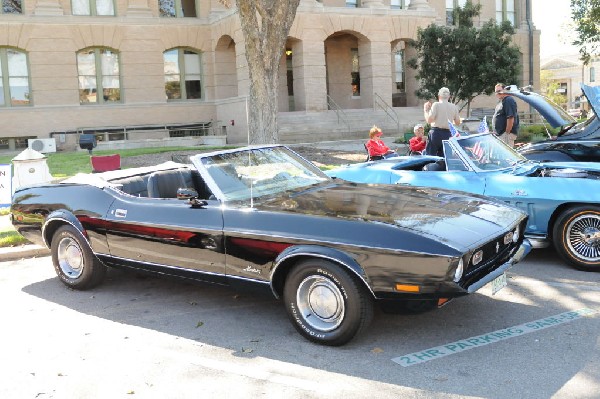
pixel 8 236
pixel 65 164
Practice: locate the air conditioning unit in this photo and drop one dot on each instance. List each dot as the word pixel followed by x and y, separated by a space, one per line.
pixel 42 145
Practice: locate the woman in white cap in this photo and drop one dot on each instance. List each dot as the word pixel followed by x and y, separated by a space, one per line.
pixel 417 143
pixel 438 114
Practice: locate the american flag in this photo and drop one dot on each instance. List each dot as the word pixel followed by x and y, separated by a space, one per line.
pixel 453 130
pixel 477 150
pixel 483 127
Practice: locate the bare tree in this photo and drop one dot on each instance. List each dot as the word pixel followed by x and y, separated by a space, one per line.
pixel 265 26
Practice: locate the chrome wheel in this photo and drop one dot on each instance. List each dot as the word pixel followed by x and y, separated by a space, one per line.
pixel 320 303
pixel 70 258
pixel 583 237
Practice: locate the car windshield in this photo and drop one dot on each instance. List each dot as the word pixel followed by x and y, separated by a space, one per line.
pixel 486 152
pixel 255 172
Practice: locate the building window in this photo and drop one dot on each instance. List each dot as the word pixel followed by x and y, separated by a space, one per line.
pixel 592 74
pixel 355 73
pixel 11 7
pixel 14 78
pixel 93 7
pixel 98 70
pixel 182 65
pixel 352 3
pixel 399 4
pixel 450 6
pixel 177 8
pixel 505 11
pixel 399 76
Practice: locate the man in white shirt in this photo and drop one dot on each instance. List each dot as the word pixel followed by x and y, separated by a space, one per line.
pixel 438 114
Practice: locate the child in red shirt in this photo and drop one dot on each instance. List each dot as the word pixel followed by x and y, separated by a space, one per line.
pixel 376 147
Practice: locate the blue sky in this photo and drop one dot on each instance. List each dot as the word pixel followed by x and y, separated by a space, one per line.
pixel 551 17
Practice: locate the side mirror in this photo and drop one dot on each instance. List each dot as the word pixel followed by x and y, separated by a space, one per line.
pixel 186 193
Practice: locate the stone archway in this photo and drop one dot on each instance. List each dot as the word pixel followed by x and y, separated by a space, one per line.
pixel 225 71
pixel 349 70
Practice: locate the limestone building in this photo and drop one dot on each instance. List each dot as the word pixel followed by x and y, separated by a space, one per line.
pixel 569 72
pixel 131 69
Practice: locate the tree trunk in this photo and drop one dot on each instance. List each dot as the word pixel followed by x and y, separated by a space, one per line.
pixel 265 25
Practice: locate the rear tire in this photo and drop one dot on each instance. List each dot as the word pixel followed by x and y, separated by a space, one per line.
pixel 576 237
pixel 325 303
pixel 74 262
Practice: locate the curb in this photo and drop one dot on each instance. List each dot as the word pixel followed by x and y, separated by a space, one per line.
pixel 24 251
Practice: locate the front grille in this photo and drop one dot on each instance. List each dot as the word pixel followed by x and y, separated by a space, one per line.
pixel 495 254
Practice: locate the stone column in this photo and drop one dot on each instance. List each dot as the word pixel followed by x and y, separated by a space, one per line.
pixel 310 86
pixel 372 4
pixel 138 9
pixel 419 5
pixel 375 72
pixel 48 7
pixel 216 7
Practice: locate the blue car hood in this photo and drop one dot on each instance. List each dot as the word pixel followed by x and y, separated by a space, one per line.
pixel 593 95
pixel 554 118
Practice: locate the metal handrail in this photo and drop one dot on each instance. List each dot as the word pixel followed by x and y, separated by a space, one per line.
pixel 341 115
pixel 379 101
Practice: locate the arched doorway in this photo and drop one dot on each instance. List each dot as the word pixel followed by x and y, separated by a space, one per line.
pixel 348 84
pixel 226 80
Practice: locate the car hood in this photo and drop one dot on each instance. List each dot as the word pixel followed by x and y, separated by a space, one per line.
pixel 452 217
pixel 554 116
pixel 593 95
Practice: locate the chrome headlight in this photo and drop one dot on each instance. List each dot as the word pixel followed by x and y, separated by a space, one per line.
pixel 516 234
pixel 477 257
pixel 458 273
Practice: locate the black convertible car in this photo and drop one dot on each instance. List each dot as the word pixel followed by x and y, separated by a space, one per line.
pixel 575 141
pixel 267 218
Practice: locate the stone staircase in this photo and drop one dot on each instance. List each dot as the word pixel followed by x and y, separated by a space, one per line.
pixel 310 127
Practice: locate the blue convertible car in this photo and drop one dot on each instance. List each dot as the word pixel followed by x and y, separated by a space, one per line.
pixel 562 199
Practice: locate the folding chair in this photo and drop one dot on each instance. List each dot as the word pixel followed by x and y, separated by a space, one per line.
pixel 104 163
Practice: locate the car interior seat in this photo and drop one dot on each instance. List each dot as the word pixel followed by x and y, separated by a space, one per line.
pixel 435 166
pixel 164 183
pixel 367 150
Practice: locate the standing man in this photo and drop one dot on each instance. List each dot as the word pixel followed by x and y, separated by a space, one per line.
pixel 438 114
pixel 505 121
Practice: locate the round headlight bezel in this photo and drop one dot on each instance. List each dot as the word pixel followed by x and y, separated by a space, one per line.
pixel 460 269
pixel 477 257
pixel 516 234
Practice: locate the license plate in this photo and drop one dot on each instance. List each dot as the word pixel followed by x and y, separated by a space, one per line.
pixel 498 283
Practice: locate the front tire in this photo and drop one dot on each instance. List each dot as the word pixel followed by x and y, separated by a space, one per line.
pixel 576 237
pixel 325 303
pixel 74 263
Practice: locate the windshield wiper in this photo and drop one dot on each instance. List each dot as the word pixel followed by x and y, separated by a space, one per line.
pixel 565 129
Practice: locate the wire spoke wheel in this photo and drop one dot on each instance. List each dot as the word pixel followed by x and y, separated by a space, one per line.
pixel 583 237
pixel 576 237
